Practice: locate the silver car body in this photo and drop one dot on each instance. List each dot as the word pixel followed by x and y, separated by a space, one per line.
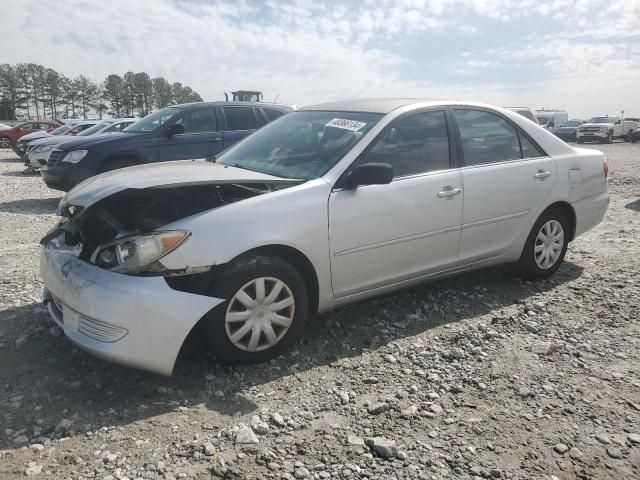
pixel 359 242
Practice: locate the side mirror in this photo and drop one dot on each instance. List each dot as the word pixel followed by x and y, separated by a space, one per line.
pixel 370 174
pixel 175 129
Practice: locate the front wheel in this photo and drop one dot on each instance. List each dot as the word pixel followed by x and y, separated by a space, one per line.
pixel 5 142
pixel 546 245
pixel 264 312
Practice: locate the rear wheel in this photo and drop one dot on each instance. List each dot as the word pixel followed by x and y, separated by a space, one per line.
pixel 5 142
pixel 546 245
pixel 264 311
pixel 628 137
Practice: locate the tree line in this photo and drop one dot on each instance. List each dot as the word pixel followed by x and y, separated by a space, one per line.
pixel 37 92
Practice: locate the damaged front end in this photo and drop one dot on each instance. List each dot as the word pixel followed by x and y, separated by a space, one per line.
pixel 123 231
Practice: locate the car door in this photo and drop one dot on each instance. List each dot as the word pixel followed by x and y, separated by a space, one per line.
pixel 199 140
pixel 239 122
pixel 506 179
pixel 383 234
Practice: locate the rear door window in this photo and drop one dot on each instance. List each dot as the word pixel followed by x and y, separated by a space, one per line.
pixel 486 137
pixel 272 114
pixel 240 118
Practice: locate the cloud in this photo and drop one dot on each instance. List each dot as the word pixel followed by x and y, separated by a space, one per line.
pixel 526 52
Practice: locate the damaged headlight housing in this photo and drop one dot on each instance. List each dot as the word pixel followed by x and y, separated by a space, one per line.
pixel 75 156
pixel 43 148
pixel 139 252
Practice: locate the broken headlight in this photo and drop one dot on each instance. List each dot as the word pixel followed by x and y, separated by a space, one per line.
pixel 139 252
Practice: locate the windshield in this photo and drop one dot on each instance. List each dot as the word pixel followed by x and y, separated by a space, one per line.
pixel 153 121
pixel 573 123
pixel 302 145
pixel 61 130
pixel 91 130
pixel 601 120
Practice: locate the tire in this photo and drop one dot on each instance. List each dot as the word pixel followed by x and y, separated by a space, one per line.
pixel 5 142
pixel 633 140
pixel 235 317
pixel 532 263
pixel 627 137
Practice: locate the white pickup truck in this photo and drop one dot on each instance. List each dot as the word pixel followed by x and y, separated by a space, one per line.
pixel 604 129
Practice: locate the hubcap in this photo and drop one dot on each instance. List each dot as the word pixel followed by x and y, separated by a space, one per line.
pixel 549 243
pixel 5 143
pixel 259 314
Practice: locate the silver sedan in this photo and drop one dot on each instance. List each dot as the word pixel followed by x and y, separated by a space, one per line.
pixel 323 207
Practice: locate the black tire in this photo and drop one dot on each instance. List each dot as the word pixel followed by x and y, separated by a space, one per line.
pixel 634 139
pixel 233 278
pixel 628 136
pixel 109 165
pixel 528 267
pixel 609 138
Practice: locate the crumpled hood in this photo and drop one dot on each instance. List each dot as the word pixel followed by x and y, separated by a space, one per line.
pixel 163 174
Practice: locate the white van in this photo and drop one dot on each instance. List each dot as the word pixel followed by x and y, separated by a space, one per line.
pixel 552 119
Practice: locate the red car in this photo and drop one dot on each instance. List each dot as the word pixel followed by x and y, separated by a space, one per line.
pixel 9 137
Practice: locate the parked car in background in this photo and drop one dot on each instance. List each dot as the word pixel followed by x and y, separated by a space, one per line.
pixel 4 126
pixel 526 112
pixel 21 145
pixel 326 206
pixel 569 131
pixel 39 150
pixel 601 129
pixel 193 130
pixel 10 136
pixel 551 119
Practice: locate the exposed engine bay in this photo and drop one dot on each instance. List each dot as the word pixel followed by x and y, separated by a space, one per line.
pixel 134 211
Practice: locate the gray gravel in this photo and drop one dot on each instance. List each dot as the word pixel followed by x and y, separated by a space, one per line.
pixel 478 376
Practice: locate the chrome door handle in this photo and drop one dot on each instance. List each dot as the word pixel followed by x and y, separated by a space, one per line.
pixel 449 192
pixel 541 174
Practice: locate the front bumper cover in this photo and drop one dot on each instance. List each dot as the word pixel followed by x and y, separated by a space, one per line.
pixel 134 321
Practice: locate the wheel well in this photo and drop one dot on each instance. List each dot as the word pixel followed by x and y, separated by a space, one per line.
pixel 569 213
pixel 301 262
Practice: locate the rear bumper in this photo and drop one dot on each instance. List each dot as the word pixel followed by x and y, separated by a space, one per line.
pixel 134 321
pixel 590 211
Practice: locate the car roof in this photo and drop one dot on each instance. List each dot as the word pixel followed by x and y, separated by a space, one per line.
pixel 387 105
pixel 276 106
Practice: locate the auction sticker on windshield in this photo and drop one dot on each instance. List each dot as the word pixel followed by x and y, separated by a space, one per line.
pixel 352 125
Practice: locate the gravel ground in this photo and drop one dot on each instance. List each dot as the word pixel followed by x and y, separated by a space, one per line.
pixel 478 376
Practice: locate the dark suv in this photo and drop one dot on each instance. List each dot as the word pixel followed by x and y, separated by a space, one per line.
pixel 179 132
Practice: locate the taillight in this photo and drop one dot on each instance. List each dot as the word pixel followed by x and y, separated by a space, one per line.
pixel 605 166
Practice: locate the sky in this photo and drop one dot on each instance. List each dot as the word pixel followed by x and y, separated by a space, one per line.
pixel 579 55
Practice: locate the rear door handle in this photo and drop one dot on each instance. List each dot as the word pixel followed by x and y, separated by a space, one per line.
pixel 541 174
pixel 449 191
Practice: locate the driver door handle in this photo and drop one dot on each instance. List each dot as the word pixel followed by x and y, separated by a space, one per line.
pixel 541 174
pixel 449 191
